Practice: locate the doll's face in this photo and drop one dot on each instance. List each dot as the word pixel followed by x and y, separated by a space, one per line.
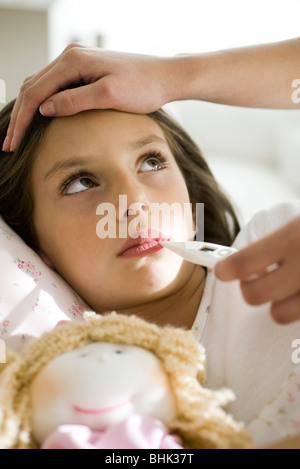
pixel 99 385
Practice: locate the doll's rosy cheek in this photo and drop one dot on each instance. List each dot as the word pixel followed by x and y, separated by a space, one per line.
pixel 47 402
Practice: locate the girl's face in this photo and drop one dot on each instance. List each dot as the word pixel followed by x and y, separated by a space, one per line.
pixel 92 159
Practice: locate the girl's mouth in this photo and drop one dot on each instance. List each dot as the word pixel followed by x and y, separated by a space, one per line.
pixel 143 245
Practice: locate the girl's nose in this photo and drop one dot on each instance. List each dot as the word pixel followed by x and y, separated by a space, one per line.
pixel 135 219
pixel 132 201
pixel 140 207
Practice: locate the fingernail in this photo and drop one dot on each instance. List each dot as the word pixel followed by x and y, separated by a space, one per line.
pixel 13 145
pixel 6 146
pixel 47 109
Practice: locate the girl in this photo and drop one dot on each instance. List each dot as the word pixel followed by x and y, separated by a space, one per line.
pixel 264 75
pixel 66 167
pixel 49 192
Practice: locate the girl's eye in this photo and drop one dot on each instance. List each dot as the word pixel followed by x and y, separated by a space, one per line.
pixel 153 162
pixel 77 183
pixel 80 185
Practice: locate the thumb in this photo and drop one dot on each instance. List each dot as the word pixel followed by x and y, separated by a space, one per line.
pixel 72 101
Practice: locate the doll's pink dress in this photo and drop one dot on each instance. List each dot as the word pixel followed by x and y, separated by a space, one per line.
pixel 136 432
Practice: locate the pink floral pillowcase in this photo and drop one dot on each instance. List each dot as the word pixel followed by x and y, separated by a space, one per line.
pixel 33 298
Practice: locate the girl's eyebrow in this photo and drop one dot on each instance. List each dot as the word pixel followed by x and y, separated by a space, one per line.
pixel 146 141
pixel 70 163
pixel 80 161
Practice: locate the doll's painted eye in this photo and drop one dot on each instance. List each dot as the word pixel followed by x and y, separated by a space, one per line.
pixel 119 351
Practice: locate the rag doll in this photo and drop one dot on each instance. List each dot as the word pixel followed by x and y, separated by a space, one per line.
pixel 113 382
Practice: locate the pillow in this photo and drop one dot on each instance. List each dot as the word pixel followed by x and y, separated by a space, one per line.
pixel 33 298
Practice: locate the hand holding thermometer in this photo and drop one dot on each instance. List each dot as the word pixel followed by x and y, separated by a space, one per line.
pixel 198 252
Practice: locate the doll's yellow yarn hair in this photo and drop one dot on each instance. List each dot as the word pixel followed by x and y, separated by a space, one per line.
pixel 200 420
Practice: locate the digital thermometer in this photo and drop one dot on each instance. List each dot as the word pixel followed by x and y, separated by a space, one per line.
pixel 197 252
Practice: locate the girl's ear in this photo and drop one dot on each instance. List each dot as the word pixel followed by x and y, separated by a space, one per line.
pixel 46 260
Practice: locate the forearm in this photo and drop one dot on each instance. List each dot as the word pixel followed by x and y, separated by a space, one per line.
pixel 257 76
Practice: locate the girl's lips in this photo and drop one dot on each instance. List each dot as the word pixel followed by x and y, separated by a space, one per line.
pixel 149 246
pixel 144 245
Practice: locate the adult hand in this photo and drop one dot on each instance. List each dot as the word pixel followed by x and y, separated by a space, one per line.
pixel 142 83
pixel 281 284
pixel 122 81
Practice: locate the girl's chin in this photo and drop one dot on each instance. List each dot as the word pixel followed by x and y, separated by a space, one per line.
pixel 138 285
pixel 140 297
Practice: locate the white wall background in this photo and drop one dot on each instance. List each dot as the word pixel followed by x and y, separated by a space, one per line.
pixel 23 46
pixel 254 153
pixel 172 26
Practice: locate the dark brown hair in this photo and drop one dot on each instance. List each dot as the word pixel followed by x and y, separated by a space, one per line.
pixel 16 198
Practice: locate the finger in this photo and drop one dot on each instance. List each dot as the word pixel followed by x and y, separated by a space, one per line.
pixel 252 259
pixel 48 84
pixel 28 82
pixel 14 114
pixel 286 311
pixel 11 143
pixel 276 285
pixel 34 91
pixel 69 102
pixel 34 78
pixel 66 103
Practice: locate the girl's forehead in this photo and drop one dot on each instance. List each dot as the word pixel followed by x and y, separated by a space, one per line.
pixel 102 121
pixel 98 132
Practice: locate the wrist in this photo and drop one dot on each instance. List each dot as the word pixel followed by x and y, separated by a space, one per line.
pixel 184 77
pixel 211 77
pixel 178 78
